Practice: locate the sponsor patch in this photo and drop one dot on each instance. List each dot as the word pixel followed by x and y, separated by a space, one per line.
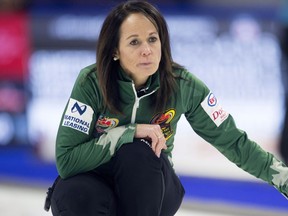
pixel 164 120
pixel 104 124
pixel 214 110
pixel 78 116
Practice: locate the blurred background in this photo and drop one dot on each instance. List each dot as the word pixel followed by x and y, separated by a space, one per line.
pixel 238 48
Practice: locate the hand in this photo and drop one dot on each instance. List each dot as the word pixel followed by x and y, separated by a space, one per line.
pixel 154 133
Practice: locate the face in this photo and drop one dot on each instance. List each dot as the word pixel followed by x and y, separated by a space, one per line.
pixel 139 50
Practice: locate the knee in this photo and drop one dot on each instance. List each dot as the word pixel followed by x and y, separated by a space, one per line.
pixel 79 195
pixel 137 154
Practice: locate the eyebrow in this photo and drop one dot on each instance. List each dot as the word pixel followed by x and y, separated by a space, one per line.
pixel 136 35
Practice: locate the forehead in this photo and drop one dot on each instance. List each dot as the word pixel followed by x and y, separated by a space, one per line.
pixel 137 23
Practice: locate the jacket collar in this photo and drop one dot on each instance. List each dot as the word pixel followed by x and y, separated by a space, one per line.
pixel 126 83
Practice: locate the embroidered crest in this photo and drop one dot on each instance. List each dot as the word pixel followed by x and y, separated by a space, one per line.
pixel 164 120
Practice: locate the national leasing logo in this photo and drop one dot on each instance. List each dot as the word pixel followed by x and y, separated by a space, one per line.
pixel 213 109
pixel 78 116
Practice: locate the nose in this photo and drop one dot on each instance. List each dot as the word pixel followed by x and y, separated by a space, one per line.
pixel 146 50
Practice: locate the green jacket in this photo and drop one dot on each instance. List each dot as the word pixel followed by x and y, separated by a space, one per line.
pixel 88 137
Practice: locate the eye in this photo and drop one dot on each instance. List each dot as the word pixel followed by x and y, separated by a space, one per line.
pixel 153 39
pixel 134 42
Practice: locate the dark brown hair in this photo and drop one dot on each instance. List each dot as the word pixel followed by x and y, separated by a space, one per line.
pixel 108 42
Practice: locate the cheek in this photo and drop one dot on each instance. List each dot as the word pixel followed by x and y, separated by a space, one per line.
pixel 129 56
pixel 159 52
pixel 127 61
pixel 160 55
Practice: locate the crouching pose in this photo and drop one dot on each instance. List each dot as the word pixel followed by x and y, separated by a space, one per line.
pixel 115 139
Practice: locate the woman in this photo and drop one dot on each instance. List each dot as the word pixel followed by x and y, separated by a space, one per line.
pixel 115 140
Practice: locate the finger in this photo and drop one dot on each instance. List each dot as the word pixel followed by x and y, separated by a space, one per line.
pixel 160 145
pixel 154 132
pixel 154 142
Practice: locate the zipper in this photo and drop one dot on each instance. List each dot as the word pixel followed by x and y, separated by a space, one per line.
pixel 134 110
pixel 137 102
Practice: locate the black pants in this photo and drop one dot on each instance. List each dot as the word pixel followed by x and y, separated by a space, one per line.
pixel 134 183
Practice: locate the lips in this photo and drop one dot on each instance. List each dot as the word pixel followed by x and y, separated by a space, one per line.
pixel 145 63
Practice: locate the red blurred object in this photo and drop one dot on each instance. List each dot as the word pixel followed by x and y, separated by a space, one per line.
pixel 12 100
pixel 14 46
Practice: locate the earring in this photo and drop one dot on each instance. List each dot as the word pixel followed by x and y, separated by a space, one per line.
pixel 115 58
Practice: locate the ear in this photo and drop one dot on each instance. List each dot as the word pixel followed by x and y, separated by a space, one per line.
pixel 116 55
